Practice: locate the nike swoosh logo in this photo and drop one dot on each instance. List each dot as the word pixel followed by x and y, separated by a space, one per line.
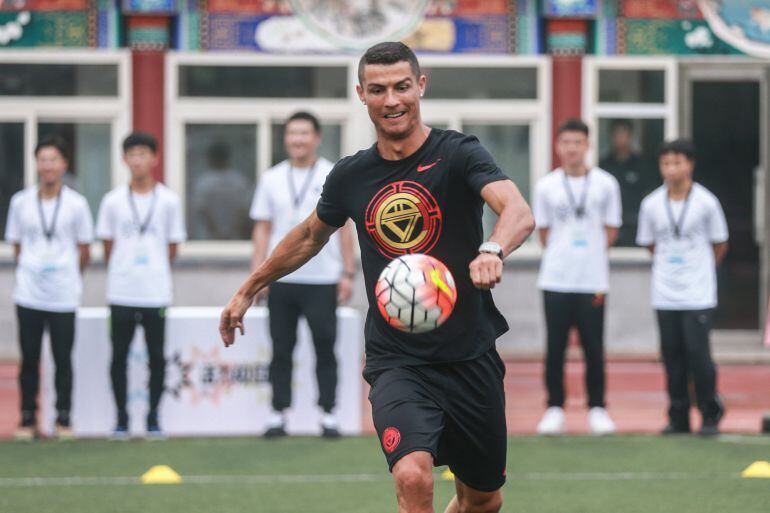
pixel 425 167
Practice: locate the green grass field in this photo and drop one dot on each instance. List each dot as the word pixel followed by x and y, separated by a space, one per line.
pixel 625 474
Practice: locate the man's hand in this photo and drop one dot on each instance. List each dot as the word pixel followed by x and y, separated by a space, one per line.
pixel 232 318
pixel 486 271
pixel 344 290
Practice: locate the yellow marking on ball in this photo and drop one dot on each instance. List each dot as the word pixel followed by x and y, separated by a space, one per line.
pixel 435 277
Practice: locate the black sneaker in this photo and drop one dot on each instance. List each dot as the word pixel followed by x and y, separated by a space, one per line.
pixel 275 432
pixel 710 426
pixel 675 429
pixel 27 430
pixel 330 432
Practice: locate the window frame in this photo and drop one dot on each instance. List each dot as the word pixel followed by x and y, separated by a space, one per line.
pixel 594 110
pixel 356 129
pixel 33 110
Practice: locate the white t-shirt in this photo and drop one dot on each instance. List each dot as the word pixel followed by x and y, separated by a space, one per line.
pixel 683 269
pixel 48 272
pixel 575 258
pixel 285 204
pixel 139 272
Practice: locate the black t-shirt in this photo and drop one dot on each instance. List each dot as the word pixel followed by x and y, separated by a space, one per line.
pixel 637 178
pixel 428 203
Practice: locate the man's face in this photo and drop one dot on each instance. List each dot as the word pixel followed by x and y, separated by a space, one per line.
pixel 141 160
pixel 621 138
pixel 392 96
pixel 51 165
pixel 675 167
pixel 300 139
pixel 572 146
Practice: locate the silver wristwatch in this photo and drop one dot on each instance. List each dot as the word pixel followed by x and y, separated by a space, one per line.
pixel 493 248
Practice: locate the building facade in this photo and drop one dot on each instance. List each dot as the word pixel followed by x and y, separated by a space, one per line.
pixel 206 74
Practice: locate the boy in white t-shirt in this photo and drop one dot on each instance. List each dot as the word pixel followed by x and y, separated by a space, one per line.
pixel 578 212
pixel 51 228
pixel 286 195
pixel 140 225
pixel 684 227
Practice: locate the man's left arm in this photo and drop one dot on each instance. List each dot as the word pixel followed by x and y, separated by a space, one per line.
pixel 514 224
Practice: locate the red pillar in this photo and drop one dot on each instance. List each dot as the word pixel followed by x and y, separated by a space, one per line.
pixel 148 91
pixel 567 41
pixel 567 74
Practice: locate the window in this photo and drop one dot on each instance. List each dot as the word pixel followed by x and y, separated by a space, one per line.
pixel 631 105
pixel 29 79
pixel 482 83
pixel 627 150
pixel 221 168
pixel 509 145
pixel 83 96
pixel 631 86
pixel 11 166
pixel 263 81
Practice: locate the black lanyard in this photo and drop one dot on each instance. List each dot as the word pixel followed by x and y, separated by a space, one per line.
pixel 49 231
pixel 297 199
pixel 579 209
pixel 677 226
pixel 142 225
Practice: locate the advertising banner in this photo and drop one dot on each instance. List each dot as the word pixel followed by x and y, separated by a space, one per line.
pixel 210 389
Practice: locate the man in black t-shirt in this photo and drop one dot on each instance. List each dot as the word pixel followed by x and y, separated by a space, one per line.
pixel 437 397
pixel 637 178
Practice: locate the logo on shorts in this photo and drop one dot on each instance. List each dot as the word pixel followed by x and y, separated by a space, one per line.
pixel 391 437
pixel 402 218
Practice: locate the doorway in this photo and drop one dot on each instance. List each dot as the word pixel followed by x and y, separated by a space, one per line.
pixel 723 107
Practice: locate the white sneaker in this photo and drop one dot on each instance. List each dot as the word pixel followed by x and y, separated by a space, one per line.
pixel 600 422
pixel 552 422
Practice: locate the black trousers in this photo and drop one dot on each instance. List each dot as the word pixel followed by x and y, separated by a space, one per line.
pixel 61 328
pixel 318 304
pixel 684 343
pixel 563 310
pixel 123 322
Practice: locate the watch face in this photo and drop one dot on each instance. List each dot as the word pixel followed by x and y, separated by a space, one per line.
pixel 358 24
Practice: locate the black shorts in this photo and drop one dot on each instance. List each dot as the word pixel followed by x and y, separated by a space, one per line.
pixel 455 411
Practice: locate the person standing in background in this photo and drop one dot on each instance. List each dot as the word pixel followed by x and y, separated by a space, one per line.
pixel 578 213
pixel 635 174
pixel 50 227
pixel 285 196
pixel 141 226
pixel 683 226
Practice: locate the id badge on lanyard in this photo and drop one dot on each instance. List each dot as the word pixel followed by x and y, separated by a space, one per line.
pixel 580 232
pixel 141 251
pixel 49 258
pixel 678 251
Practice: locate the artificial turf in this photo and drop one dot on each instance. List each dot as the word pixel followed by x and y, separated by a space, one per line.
pixel 628 474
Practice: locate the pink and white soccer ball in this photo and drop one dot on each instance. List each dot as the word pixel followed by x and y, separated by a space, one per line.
pixel 416 293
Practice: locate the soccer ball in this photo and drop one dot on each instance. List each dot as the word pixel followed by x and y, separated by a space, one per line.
pixel 415 293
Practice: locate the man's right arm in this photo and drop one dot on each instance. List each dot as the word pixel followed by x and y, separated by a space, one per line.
pixel 260 237
pixel 301 244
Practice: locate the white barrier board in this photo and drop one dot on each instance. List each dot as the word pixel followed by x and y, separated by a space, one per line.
pixel 210 389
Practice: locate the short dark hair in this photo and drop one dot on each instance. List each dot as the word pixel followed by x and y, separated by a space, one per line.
pixel 389 52
pixel 304 116
pixel 679 146
pixel 54 141
pixel 573 125
pixel 140 139
pixel 218 154
pixel 621 123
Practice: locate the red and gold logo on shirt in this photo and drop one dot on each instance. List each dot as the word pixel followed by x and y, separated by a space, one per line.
pixel 403 217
